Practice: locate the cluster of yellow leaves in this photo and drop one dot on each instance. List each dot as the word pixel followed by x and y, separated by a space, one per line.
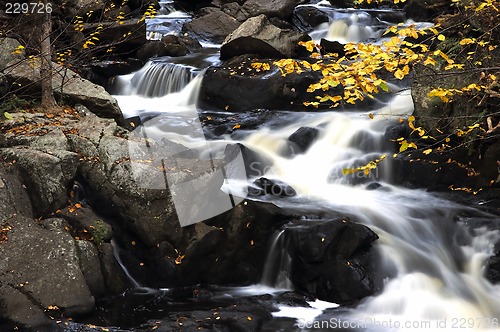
pixel 366 169
pixel 149 13
pixel 78 22
pixel 485 4
pixel 93 37
pixel 357 71
pixel 120 17
pixel 62 56
pixel 446 94
pixel 260 66
pixel 469 129
pixel 18 50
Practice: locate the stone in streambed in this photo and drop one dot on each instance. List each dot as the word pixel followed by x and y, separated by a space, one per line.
pixel 303 138
pixel 234 88
pixel 265 186
pixel 306 18
pixel 259 36
pixel 214 26
pixel 332 259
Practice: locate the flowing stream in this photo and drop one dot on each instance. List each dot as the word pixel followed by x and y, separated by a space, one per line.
pixel 432 260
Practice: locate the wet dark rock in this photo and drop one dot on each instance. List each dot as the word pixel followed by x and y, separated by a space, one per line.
pixel 111 68
pixel 417 171
pixel 255 165
pixel 279 8
pixel 216 124
pixel 373 186
pixel 303 138
pixel 134 29
pixel 259 36
pixel 392 133
pixel 90 266
pixel 391 16
pixel 169 45
pixel 332 47
pixel 264 186
pixel 422 10
pixel 240 257
pixel 114 278
pixel 232 87
pixel 492 270
pixel 306 18
pixel 153 48
pixel 332 259
pixel 214 27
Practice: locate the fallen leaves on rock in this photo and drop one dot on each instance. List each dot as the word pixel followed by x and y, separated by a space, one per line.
pixel 4 230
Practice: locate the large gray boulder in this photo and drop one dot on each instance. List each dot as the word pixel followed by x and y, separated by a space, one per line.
pixel 9 52
pixel 40 268
pixel 47 176
pixel 259 36
pixel 67 85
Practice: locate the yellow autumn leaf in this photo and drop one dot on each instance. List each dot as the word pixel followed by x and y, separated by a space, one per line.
pixel 441 37
pixel 427 151
pixel 399 74
pixel 467 41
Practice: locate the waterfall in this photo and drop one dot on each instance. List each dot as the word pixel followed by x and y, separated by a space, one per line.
pixel 158 79
pixel 276 271
pixel 116 254
pixel 432 260
pixel 166 7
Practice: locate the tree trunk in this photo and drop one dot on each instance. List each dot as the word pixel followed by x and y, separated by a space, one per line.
pixel 48 101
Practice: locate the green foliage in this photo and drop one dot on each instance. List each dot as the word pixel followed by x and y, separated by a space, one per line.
pixel 12 104
pixel 100 232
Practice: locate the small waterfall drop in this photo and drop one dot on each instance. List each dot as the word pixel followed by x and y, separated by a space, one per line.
pixel 158 79
pixel 278 264
pixel 352 29
pixel 116 254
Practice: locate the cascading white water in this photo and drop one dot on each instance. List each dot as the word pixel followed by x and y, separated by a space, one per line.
pixel 433 264
pixel 168 21
pixel 158 79
pixel 278 263
pixel 432 276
